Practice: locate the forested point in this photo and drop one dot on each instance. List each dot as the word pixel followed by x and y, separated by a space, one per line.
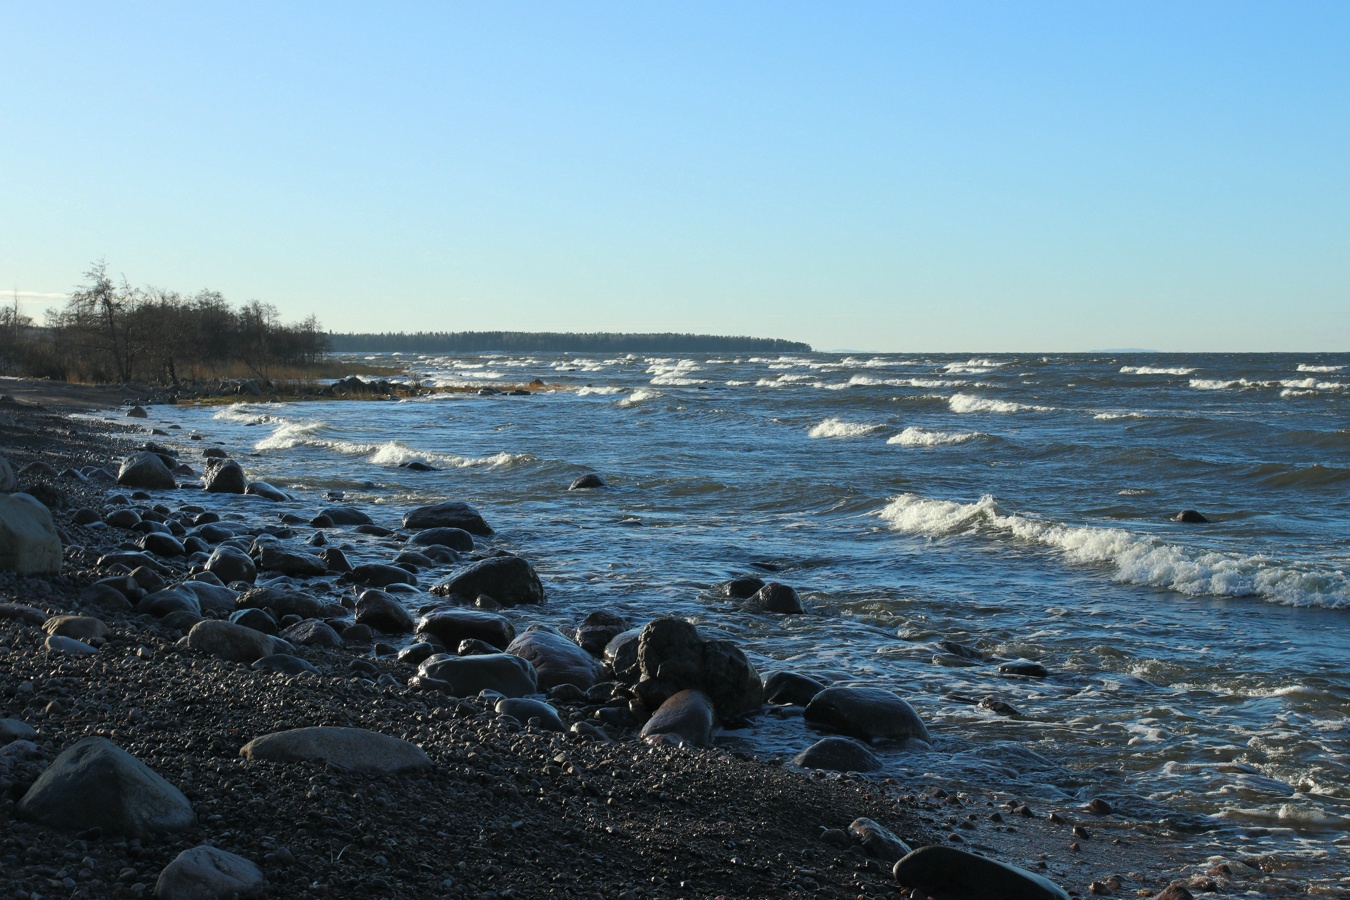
pixel 556 342
pixel 111 332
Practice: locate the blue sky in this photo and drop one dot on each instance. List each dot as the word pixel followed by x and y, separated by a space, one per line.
pixel 898 176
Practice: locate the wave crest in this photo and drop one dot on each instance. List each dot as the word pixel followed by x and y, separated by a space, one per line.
pixel 838 428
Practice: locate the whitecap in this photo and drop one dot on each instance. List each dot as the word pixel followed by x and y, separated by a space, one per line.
pixel 1155 370
pixel 968 403
pixel 639 396
pixel 838 428
pixel 1133 558
pixel 588 390
pixel 913 436
pixel 1305 367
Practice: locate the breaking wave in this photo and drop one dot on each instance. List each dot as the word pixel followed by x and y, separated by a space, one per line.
pixel 968 403
pixel 913 436
pixel 1133 558
pixel 1155 370
pixel 838 428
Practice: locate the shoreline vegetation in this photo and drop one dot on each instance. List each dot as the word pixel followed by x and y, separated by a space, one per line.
pixel 148 640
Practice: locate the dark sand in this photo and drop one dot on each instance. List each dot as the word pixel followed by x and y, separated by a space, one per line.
pixel 507 810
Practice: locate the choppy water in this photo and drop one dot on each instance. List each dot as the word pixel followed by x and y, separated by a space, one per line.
pixel 1016 504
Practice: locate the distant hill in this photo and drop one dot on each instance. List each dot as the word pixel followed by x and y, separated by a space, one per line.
pixel 556 342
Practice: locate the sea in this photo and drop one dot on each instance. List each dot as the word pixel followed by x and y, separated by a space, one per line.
pixel 1022 507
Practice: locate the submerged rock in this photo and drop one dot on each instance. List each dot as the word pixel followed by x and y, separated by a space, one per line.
pixel 673 656
pixel 447 514
pixel 865 713
pixel 451 625
pixel 838 754
pixel 509 580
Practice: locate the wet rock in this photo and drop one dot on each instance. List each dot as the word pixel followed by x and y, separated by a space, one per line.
pixel 415 653
pixel 214 599
pixel 1190 517
pixel 206 873
pixel 740 588
pixel 451 625
pixel 475 647
pixel 509 580
pixel 598 629
pixel 865 713
pixel 96 784
pixel 1024 668
pixel 146 470
pixel 466 676
pixel 1175 891
pixel 313 633
pixel 224 476
pixel 448 514
pixel 81 628
pixel 122 518
pixel 378 575
pixel 455 538
pixel 29 544
pixel 523 710
pixel 284 664
pixel 1000 707
pixel 587 482
pixel 231 564
pixel 838 754
pixel 383 613
pixel 266 491
pixel 556 659
pixel 355 749
pixel 290 562
pixel 162 545
pixel 137 412
pixel 232 641
pixel 951 874
pixel 621 655
pixel 790 688
pixel 335 559
pixel 68 646
pixel 345 515
pixel 672 657
pixel 687 715
pixel 776 598
pixel 878 842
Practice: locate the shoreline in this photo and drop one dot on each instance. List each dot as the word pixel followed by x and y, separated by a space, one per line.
pixel 705 823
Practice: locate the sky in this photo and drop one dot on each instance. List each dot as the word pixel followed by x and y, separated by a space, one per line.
pixel 900 176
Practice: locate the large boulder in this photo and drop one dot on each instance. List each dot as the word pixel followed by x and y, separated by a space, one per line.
pixel 791 688
pixel 452 625
pixel 865 713
pixel 466 676
pixel 96 784
pixel 383 613
pixel 556 659
pixel 228 640
pixel 207 873
pixel 29 544
pixel 224 476
pixel 688 716
pixel 346 515
pixel 454 538
pixel 169 601
pixel 81 628
pixel 599 628
pixel 313 633
pixel 951 874
pixel 231 564
pixel 378 575
pixel 448 514
pixel 347 748
pixel 509 580
pixel 146 470
pixel 275 558
pixel 673 656
pixel 838 754
pixel 284 601
pixel 8 482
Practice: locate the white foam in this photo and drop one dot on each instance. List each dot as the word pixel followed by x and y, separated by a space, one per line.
pixel 907 382
pixel 639 396
pixel 242 412
pixel 968 403
pixel 1213 384
pixel 674 372
pixel 1305 367
pixel 838 428
pixel 913 436
pixel 1155 370
pixel 1108 416
pixel 588 390
pixel 1134 559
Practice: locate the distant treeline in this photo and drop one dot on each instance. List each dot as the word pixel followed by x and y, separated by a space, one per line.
pixel 556 342
pixel 111 332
